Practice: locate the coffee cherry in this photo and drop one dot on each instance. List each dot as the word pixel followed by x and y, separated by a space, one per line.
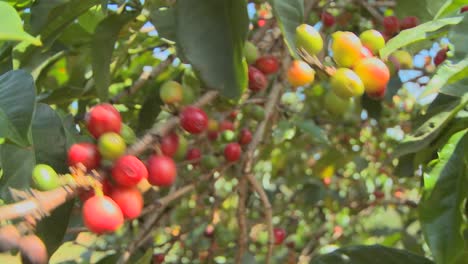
pixel 226 125
pixel 84 153
pixel 267 64
pixel 233 114
pixel 33 250
pixel 374 74
pixel 245 136
pixel 309 39
pixel 251 52
pixel 379 195
pixel 440 57
pixel 346 48
pixel 158 258
pixel 409 22
pixel 228 135
pixel 182 149
pixel 212 135
pixel 391 25
pixel 373 40
pixel 346 83
pixel 129 200
pixel 300 73
pixel 170 144
pixel 193 120
pixel 194 155
pixel 127 134
pixel 111 146
pixel 129 171
pixel 328 19
pixel 464 9
pixel 257 80
pixel 279 235
pixel 45 178
pixel 209 162
pixel 102 119
pixel 232 152
pixel 102 215
pixel 162 170
pixel 336 105
pixel 171 92
pixel 9 238
pixel 405 60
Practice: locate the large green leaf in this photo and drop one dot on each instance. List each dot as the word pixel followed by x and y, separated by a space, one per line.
pixel 450 7
pixel 11 27
pixel 370 254
pixel 445 188
pixel 164 20
pixel 419 33
pixel 410 8
pixel 211 35
pixel 289 14
pixel 459 38
pixel 40 12
pixel 437 117
pixel 103 43
pixel 17 102
pixel 443 76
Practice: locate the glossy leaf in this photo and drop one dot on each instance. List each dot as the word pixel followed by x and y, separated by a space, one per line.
pixel 17 102
pixel 445 188
pixel 289 15
pixel 103 43
pixel 222 27
pixel 11 27
pixel 450 7
pixel 418 33
pixel 164 20
pixel 370 254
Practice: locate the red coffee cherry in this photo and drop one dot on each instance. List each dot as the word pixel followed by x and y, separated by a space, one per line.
pixel 257 80
pixel 226 125
pixel 328 19
pixel 267 64
pixel 84 153
pixel 170 144
pixel 193 120
pixel 129 199
pixel 128 171
pixel 440 57
pixel 158 258
pixel 279 235
pixel 409 22
pixel 464 9
pixel 102 215
pixel 245 136
pixel 103 118
pixel 162 170
pixel 391 25
pixel 212 135
pixel 232 152
pixel 194 155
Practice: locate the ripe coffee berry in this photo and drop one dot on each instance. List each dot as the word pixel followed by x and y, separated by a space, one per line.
pixel 279 235
pixel 464 9
pixel 257 80
pixel 212 135
pixel 158 258
pixel 103 118
pixel 170 144
pixel 328 19
pixel 129 200
pixel 440 57
pixel 245 136
pixel 84 153
pixel 391 25
pixel 162 170
pixel 102 215
pixel 194 155
pixel 232 152
pixel 409 22
pixel 128 171
pixel 267 64
pixel 226 125
pixel 193 120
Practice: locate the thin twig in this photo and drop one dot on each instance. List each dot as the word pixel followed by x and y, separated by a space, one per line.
pixel 374 12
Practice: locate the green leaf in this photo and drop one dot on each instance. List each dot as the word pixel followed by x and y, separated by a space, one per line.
pixel 419 33
pixel 164 20
pixel 309 126
pixel 370 254
pixel 440 211
pixel 459 38
pixel 40 13
pixel 450 7
pixel 442 77
pixel 439 115
pixel 149 110
pixel 211 35
pixel 11 27
pixel 17 102
pixel 410 8
pixel 103 43
pixel 289 15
